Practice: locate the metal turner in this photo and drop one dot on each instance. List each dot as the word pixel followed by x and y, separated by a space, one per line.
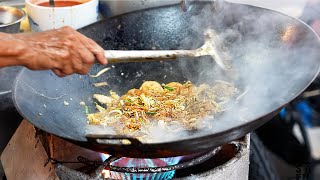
pixel 211 47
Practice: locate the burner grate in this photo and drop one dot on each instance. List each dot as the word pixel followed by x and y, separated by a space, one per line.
pixel 182 165
pixel 118 172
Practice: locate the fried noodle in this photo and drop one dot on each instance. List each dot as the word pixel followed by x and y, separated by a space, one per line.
pixel 172 103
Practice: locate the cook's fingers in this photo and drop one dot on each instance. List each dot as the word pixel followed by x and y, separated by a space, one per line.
pixel 77 66
pixel 98 52
pixel 86 56
pixel 85 69
pixel 58 72
pixel 94 48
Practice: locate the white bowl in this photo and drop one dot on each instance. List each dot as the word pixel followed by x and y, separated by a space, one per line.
pixel 44 18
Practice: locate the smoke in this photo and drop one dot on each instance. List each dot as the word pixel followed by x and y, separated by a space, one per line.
pixel 273 58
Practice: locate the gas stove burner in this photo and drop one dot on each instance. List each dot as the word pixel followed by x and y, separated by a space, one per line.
pixel 160 169
pixel 135 166
pixel 140 168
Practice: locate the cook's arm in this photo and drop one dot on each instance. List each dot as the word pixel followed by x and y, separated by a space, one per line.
pixel 64 51
pixel 11 51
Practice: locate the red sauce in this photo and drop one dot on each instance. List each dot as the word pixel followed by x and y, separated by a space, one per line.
pixel 59 3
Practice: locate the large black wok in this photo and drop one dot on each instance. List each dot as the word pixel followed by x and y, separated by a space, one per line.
pixel 275 56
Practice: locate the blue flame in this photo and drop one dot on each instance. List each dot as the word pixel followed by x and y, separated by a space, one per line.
pixel 146 176
pixel 136 162
pixel 104 156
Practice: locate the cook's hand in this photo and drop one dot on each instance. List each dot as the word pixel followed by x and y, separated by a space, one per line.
pixel 64 51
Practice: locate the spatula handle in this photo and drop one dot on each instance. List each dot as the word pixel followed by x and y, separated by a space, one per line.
pixel 119 56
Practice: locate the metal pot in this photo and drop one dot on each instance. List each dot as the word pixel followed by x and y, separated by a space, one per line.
pixel 10 19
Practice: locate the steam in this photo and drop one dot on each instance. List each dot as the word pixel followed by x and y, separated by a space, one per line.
pixel 267 67
pixel 271 57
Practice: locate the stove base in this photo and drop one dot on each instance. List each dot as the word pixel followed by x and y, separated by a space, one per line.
pixel 26 157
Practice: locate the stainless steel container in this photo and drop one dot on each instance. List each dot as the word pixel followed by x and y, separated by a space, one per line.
pixel 10 19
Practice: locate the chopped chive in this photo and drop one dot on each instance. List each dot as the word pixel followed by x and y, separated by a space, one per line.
pixel 129 101
pixel 169 88
pixel 151 113
pixel 86 109
pixel 142 121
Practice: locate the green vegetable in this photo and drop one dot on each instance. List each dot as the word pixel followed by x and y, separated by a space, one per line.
pixel 142 121
pixel 169 88
pixel 151 113
pixel 129 101
pixel 86 109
